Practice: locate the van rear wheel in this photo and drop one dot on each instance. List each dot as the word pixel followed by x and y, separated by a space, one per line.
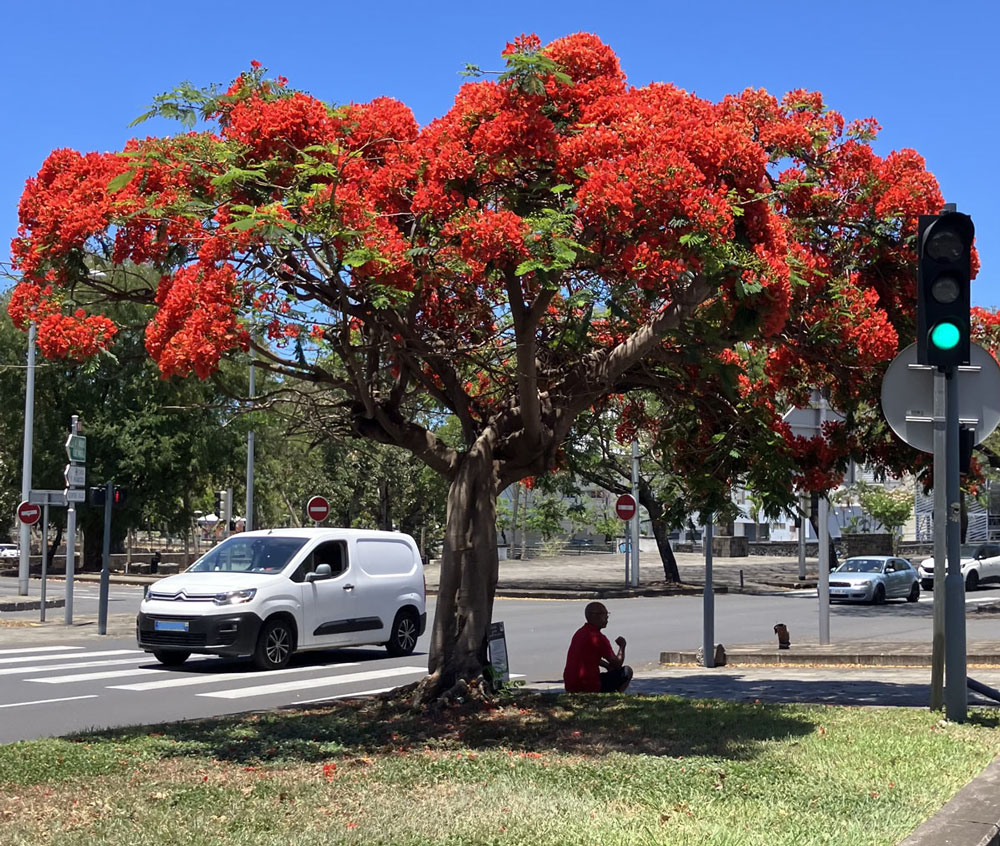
pixel 403 637
pixel 275 644
pixel 171 657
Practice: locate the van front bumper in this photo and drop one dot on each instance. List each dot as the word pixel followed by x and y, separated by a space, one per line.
pixel 230 635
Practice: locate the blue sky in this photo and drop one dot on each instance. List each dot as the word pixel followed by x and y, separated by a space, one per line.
pixel 78 73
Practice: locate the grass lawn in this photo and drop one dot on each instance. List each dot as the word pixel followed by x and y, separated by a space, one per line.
pixel 540 769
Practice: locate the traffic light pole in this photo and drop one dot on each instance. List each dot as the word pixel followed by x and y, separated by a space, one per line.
pixel 940 541
pixel 956 694
pixel 102 608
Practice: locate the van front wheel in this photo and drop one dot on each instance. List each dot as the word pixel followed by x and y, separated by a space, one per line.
pixel 274 645
pixel 403 637
pixel 170 657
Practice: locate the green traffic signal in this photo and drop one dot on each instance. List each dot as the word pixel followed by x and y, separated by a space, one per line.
pixel 945 336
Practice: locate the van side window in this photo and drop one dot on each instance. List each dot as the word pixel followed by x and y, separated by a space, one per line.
pixel 333 553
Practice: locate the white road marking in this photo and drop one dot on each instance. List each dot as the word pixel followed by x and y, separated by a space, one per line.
pixel 39 649
pixel 47 701
pixel 106 674
pixel 304 684
pixel 24 658
pixel 214 678
pixel 8 671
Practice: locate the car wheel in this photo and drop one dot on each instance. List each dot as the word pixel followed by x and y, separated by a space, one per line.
pixel 274 645
pixel 878 597
pixel 403 637
pixel 927 584
pixel 171 657
pixel 972 580
pixel 914 593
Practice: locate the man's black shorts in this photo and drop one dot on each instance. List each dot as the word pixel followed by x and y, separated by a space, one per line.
pixel 613 680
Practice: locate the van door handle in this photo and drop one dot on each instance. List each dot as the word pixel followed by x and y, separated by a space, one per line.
pixel 348 587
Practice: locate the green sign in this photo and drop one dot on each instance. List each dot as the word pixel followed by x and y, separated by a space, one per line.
pixel 76 448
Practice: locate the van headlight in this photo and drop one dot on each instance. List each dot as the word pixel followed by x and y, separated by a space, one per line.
pixel 235 597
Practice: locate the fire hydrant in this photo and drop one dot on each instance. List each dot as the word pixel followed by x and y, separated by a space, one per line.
pixel 784 641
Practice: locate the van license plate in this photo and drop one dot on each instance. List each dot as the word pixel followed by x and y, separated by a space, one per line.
pixel 170 625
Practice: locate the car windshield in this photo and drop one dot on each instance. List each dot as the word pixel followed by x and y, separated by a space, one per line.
pixel 861 565
pixel 969 550
pixel 238 554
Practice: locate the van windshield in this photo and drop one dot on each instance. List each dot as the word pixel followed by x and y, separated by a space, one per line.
pixel 237 554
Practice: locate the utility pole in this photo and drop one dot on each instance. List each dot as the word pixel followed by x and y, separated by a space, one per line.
pixel 70 538
pixel 24 567
pixel 248 520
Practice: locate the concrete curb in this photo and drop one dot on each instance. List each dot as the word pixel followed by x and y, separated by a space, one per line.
pixel 969 818
pixel 790 658
pixel 31 604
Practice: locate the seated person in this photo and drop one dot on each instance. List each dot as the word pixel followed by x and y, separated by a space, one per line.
pixel 589 651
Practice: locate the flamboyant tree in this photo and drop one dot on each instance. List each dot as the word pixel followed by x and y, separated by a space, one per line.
pixel 557 237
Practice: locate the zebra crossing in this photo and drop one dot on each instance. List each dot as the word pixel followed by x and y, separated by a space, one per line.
pixel 106 673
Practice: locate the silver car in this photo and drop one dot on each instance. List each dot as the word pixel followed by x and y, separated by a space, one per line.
pixel 874 578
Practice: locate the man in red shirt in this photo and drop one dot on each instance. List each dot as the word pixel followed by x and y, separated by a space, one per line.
pixel 589 650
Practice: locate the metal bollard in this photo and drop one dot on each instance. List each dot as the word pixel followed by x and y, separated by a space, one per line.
pixel 784 641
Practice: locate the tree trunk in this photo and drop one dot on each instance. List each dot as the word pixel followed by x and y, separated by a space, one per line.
pixel 661 531
pixel 469 570
pixel 55 543
pixel 669 561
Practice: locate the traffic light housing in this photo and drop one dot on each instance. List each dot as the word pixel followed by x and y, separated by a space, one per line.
pixel 220 504
pixel 99 496
pixel 943 276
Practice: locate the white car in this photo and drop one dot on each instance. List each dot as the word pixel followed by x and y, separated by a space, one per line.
pixel 980 563
pixel 9 550
pixel 266 594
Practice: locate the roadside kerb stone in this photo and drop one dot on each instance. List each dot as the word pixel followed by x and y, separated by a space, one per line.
pixel 969 818
pixel 30 604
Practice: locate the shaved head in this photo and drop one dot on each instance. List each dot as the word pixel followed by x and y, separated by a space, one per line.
pixel 596 613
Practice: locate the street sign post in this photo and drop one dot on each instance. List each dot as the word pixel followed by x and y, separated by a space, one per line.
pixel 926 407
pixel 625 509
pixel 28 513
pixel 318 509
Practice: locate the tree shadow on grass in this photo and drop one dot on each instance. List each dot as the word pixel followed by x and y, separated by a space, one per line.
pixel 530 722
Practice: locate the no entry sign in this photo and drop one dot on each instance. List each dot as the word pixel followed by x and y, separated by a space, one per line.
pixel 28 513
pixel 318 508
pixel 625 507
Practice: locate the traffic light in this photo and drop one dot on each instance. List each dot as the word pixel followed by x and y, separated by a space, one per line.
pixel 943 276
pixel 220 504
pixel 99 496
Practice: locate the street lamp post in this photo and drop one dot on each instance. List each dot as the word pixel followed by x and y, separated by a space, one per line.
pixel 29 426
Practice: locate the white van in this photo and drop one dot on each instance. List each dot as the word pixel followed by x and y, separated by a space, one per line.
pixel 266 594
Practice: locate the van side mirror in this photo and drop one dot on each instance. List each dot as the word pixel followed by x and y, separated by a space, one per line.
pixel 322 571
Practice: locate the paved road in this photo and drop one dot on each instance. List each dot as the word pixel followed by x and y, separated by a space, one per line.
pixel 56 680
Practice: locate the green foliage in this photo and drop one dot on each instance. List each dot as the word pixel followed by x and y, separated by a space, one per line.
pixel 890 508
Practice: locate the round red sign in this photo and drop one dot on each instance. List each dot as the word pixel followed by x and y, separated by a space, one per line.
pixel 625 507
pixel 318 508
pixel 28 513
